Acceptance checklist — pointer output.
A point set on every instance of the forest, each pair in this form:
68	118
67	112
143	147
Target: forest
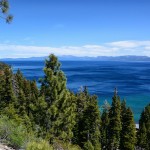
54	118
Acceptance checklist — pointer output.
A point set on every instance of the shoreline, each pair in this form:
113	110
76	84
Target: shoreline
137	126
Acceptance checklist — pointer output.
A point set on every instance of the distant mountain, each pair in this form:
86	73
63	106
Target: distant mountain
124	58
75	58
24	59
107	58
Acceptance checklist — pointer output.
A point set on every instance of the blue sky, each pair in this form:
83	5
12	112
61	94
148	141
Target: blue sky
76	27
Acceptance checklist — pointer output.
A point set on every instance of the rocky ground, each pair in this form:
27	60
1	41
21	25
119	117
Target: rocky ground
4	147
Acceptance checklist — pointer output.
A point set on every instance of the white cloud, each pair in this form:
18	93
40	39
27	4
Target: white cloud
147	48
129	44
117	48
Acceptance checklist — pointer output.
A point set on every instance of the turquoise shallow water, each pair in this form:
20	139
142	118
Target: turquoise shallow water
132	79
136	101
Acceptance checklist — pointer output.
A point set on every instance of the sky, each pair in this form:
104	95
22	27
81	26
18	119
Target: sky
76	27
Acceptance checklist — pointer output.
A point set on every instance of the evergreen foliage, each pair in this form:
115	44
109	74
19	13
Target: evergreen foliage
114	123
128	132
59	118
104	129
4	8
60	112
144	129
87	130
8	90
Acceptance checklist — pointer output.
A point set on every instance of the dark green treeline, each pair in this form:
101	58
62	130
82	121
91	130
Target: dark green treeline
55	113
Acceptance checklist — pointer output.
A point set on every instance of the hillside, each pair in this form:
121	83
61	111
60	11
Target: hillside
3	65
50	116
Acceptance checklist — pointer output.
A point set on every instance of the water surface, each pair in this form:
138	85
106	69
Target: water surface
132	79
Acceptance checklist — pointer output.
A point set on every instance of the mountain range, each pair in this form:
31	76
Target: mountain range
86	58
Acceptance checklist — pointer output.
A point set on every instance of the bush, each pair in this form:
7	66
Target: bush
44	145
12	133
39	145
64	146
88	146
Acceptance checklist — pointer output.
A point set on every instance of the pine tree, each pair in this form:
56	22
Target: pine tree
2	86
27	93
34	89
81	104
18	82
144	129
92	123
19	78
128	132
142	136
123	109
4	8
8	96
22	106
40	116
56	95
87	129
67	117
32	102
104	129
115	123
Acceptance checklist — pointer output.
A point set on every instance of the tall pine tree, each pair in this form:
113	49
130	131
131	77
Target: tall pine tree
128	132
87	129
144	129
115	123
104	129
53	88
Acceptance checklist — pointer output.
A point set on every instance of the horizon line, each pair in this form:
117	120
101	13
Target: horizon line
74	56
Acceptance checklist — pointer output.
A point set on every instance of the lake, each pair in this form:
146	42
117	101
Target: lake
132	79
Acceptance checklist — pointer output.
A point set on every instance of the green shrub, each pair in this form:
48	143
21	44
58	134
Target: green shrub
88	146
12	133
39	145
17	136
65	146
44	145
74	147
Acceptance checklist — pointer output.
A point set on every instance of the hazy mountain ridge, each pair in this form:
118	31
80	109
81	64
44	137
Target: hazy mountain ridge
86	58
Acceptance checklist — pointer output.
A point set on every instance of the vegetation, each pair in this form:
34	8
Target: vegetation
3	65
53	118
13	133
128	132
114	127
144	129
39	145
4	9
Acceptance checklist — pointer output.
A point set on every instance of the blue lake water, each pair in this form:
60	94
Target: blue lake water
132	79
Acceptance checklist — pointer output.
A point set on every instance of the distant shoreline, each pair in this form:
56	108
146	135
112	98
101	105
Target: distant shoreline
129	58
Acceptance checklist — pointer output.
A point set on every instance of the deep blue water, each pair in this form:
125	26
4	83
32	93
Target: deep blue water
132	79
